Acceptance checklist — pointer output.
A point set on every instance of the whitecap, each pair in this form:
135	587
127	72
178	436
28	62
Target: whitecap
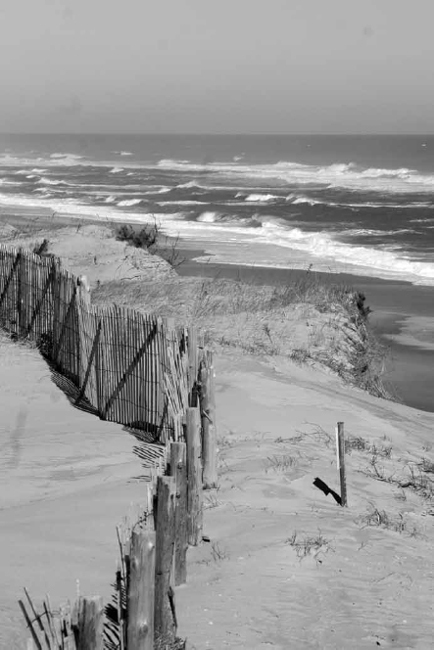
69	156
336	175
159	190
209	217
116	170
189	185
129	202
260	198
305	199
49	181
163	203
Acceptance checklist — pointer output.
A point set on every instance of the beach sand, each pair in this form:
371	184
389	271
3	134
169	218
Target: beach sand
285	567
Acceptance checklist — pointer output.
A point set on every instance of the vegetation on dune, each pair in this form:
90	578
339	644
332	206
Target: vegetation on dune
306	320
149	237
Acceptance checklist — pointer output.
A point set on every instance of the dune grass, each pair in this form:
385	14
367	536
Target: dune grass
305	320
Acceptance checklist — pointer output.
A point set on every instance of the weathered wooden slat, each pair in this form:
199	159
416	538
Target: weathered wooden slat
30	625
88	621
89	364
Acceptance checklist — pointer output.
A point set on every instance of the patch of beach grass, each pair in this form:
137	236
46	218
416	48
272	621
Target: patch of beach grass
309	544
380	518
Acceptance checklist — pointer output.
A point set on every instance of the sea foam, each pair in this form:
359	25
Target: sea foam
338	175
127	203
260	198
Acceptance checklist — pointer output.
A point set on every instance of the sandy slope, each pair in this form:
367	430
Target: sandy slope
366	586
67	479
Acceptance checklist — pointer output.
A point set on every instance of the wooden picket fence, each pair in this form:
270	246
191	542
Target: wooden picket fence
142	614
128	367
157	380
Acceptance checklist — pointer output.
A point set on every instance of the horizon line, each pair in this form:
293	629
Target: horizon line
225	134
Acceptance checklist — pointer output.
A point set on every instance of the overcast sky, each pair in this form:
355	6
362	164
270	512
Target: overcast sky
228	66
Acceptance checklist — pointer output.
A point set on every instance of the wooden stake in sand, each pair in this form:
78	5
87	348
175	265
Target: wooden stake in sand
340	449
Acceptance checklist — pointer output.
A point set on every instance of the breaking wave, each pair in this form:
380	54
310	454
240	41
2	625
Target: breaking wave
259	198
339	175
50	181
127	203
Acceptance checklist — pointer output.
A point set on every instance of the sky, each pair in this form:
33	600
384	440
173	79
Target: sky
227	66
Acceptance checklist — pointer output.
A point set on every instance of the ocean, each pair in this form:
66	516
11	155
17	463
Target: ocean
352	204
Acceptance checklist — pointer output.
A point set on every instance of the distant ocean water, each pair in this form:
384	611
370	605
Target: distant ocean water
354	204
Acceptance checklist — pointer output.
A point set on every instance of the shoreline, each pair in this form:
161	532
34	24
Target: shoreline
402	313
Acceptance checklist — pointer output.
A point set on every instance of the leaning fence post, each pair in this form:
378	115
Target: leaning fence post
194	476
164	613
141	589
87	623
340	448
209	429
178	469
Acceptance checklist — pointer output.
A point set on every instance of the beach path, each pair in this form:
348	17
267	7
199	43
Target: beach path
66	481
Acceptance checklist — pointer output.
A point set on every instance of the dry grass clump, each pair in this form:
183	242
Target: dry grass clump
380	518
413	475
309	544
280	463
361	444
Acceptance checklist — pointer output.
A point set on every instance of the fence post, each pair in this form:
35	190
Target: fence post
192	365
87	623
340	447
194	477
20	292
209	429
164	613
178	469
141	589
